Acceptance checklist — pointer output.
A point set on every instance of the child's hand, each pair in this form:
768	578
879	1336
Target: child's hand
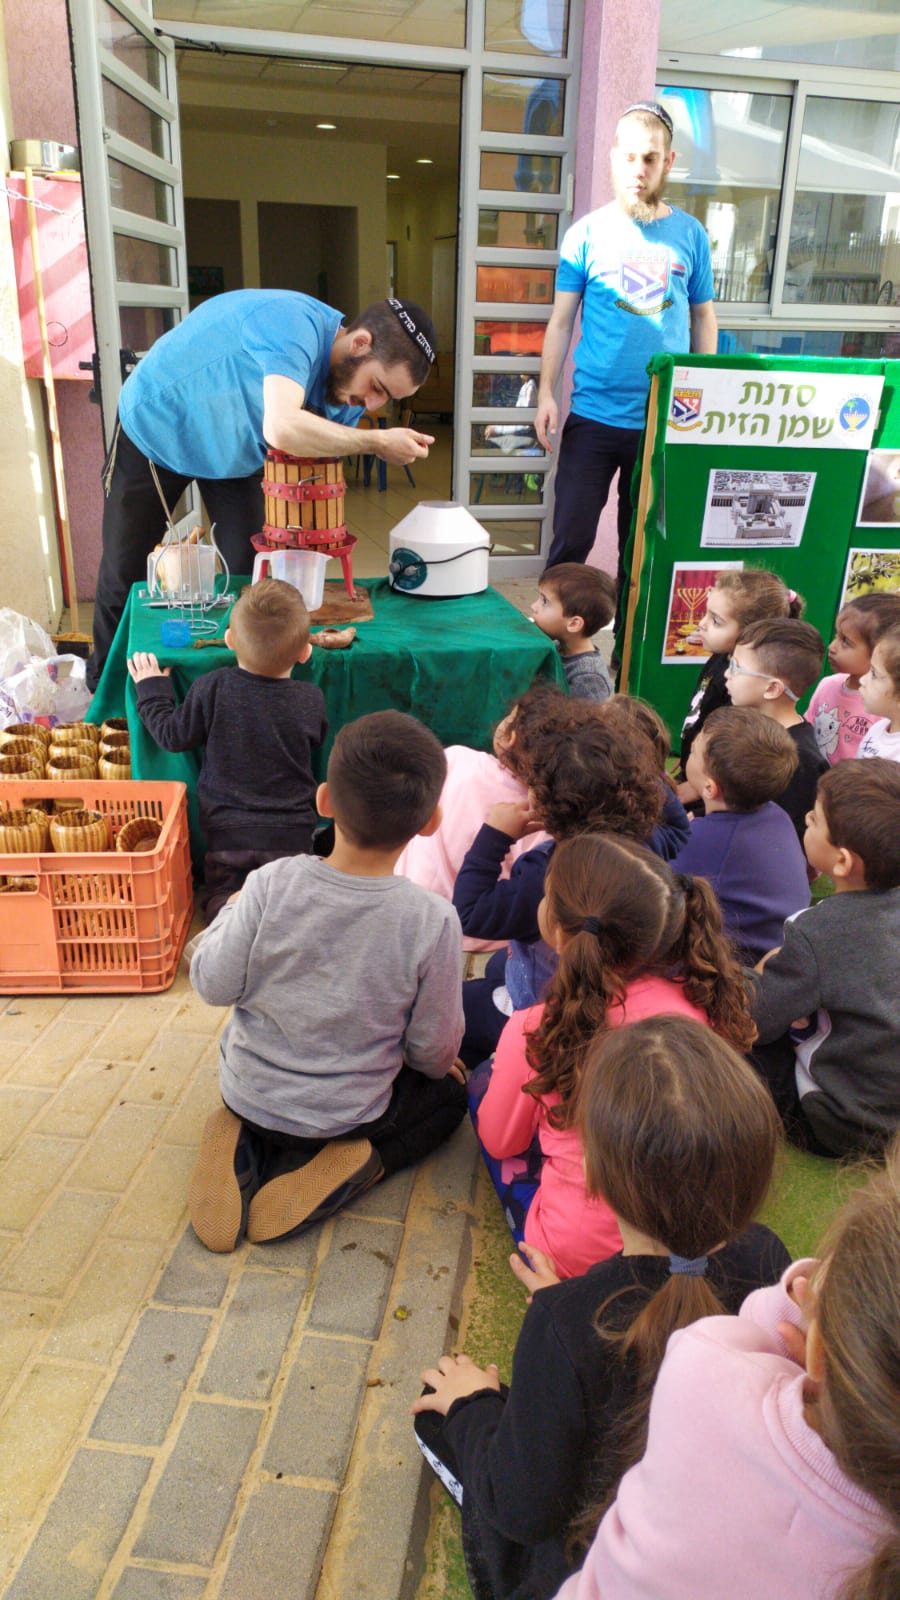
513	817
538	1271
458	1071
794	1337
451	1379
143	664
761	963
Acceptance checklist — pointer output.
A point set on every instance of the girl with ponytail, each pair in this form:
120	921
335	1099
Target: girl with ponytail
680	1139
772	1463
633	940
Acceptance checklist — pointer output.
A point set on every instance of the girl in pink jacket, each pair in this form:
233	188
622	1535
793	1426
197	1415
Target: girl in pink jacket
634	940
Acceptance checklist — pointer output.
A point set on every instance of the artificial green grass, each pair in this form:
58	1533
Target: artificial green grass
804	1197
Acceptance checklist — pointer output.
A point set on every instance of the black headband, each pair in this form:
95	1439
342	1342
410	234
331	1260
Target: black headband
653	109
403	316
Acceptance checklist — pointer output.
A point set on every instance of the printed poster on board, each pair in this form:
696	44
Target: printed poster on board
799	410
757	510
688	594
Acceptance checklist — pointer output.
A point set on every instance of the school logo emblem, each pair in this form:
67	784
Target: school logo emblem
644	283
854	414
685	411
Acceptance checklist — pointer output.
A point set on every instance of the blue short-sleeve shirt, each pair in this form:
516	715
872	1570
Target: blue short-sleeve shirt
637	281
195	402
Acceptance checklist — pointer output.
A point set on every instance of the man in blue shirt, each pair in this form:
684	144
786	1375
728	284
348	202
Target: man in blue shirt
641	273
253	370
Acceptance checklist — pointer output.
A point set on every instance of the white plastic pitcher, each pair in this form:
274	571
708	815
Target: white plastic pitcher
305	569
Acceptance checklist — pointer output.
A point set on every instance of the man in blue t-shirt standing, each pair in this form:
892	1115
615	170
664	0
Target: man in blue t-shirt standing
641	272
248	371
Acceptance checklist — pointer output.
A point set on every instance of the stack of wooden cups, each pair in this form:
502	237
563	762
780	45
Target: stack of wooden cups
71	750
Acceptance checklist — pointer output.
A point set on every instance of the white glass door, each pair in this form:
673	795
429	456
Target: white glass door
130	160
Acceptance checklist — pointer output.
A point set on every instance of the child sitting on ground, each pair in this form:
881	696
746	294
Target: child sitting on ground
476	781
771	1465
880	690
672	830
836	710
602	777
745	844
574	602
774	664
735	600
633	941
682	1150
837	1084
258	727
337	1064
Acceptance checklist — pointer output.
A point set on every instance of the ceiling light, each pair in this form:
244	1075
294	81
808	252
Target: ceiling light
393	177
327	127
424	161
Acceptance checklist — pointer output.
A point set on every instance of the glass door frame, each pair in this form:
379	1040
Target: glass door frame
93	65
471	62
800	82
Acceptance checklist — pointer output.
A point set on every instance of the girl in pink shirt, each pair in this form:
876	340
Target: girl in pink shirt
772	1464
634	940
837	711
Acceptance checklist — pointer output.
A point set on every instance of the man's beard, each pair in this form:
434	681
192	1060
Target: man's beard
340	378
645	209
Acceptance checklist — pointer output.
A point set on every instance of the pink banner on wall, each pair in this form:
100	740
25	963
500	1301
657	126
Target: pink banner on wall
64	274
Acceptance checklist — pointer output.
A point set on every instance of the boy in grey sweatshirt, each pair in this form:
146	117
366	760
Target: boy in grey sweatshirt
827	1003
338	1063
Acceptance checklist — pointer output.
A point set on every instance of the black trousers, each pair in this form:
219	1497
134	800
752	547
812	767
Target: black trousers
590	455
134	521
421	1115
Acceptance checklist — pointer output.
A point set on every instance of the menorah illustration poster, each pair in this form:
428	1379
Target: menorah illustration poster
691	583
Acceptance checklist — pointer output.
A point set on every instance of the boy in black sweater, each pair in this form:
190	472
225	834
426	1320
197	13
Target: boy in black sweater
258	727
773	665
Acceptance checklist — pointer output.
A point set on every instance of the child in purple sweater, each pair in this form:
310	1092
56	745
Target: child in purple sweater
772	1464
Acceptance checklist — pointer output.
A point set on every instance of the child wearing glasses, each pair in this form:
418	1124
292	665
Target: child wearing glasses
745	844
736	599
774	663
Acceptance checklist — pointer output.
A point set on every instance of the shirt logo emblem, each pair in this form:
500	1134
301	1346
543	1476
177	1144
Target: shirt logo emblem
644	283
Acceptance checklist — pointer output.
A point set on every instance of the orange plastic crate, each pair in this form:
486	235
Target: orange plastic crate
105	922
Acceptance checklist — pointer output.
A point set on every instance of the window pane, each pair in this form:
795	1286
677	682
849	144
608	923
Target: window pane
517	285
125	115
727	173
845	35
528	174
432	22
520	230
504	439
131	190
522	105
142	261
141	326
876	345
506	488
514	538
526	26
504	389
502	338
129	46
845	224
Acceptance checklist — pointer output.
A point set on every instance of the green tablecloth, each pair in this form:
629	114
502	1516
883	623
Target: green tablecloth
456	664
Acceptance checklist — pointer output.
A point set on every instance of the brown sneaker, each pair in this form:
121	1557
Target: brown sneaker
295	1201
222	1182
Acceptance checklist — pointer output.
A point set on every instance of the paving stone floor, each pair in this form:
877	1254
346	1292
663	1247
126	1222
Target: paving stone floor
176	1425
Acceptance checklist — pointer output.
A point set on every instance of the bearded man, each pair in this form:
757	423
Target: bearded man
247	371
641	272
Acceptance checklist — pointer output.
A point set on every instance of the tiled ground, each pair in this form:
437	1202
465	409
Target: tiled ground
176	1425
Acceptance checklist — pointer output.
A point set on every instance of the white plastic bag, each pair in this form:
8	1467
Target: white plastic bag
20	641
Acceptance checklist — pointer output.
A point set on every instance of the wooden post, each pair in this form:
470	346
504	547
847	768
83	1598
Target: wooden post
639	546
68	562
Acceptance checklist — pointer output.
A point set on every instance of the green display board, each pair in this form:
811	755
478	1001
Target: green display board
762	461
